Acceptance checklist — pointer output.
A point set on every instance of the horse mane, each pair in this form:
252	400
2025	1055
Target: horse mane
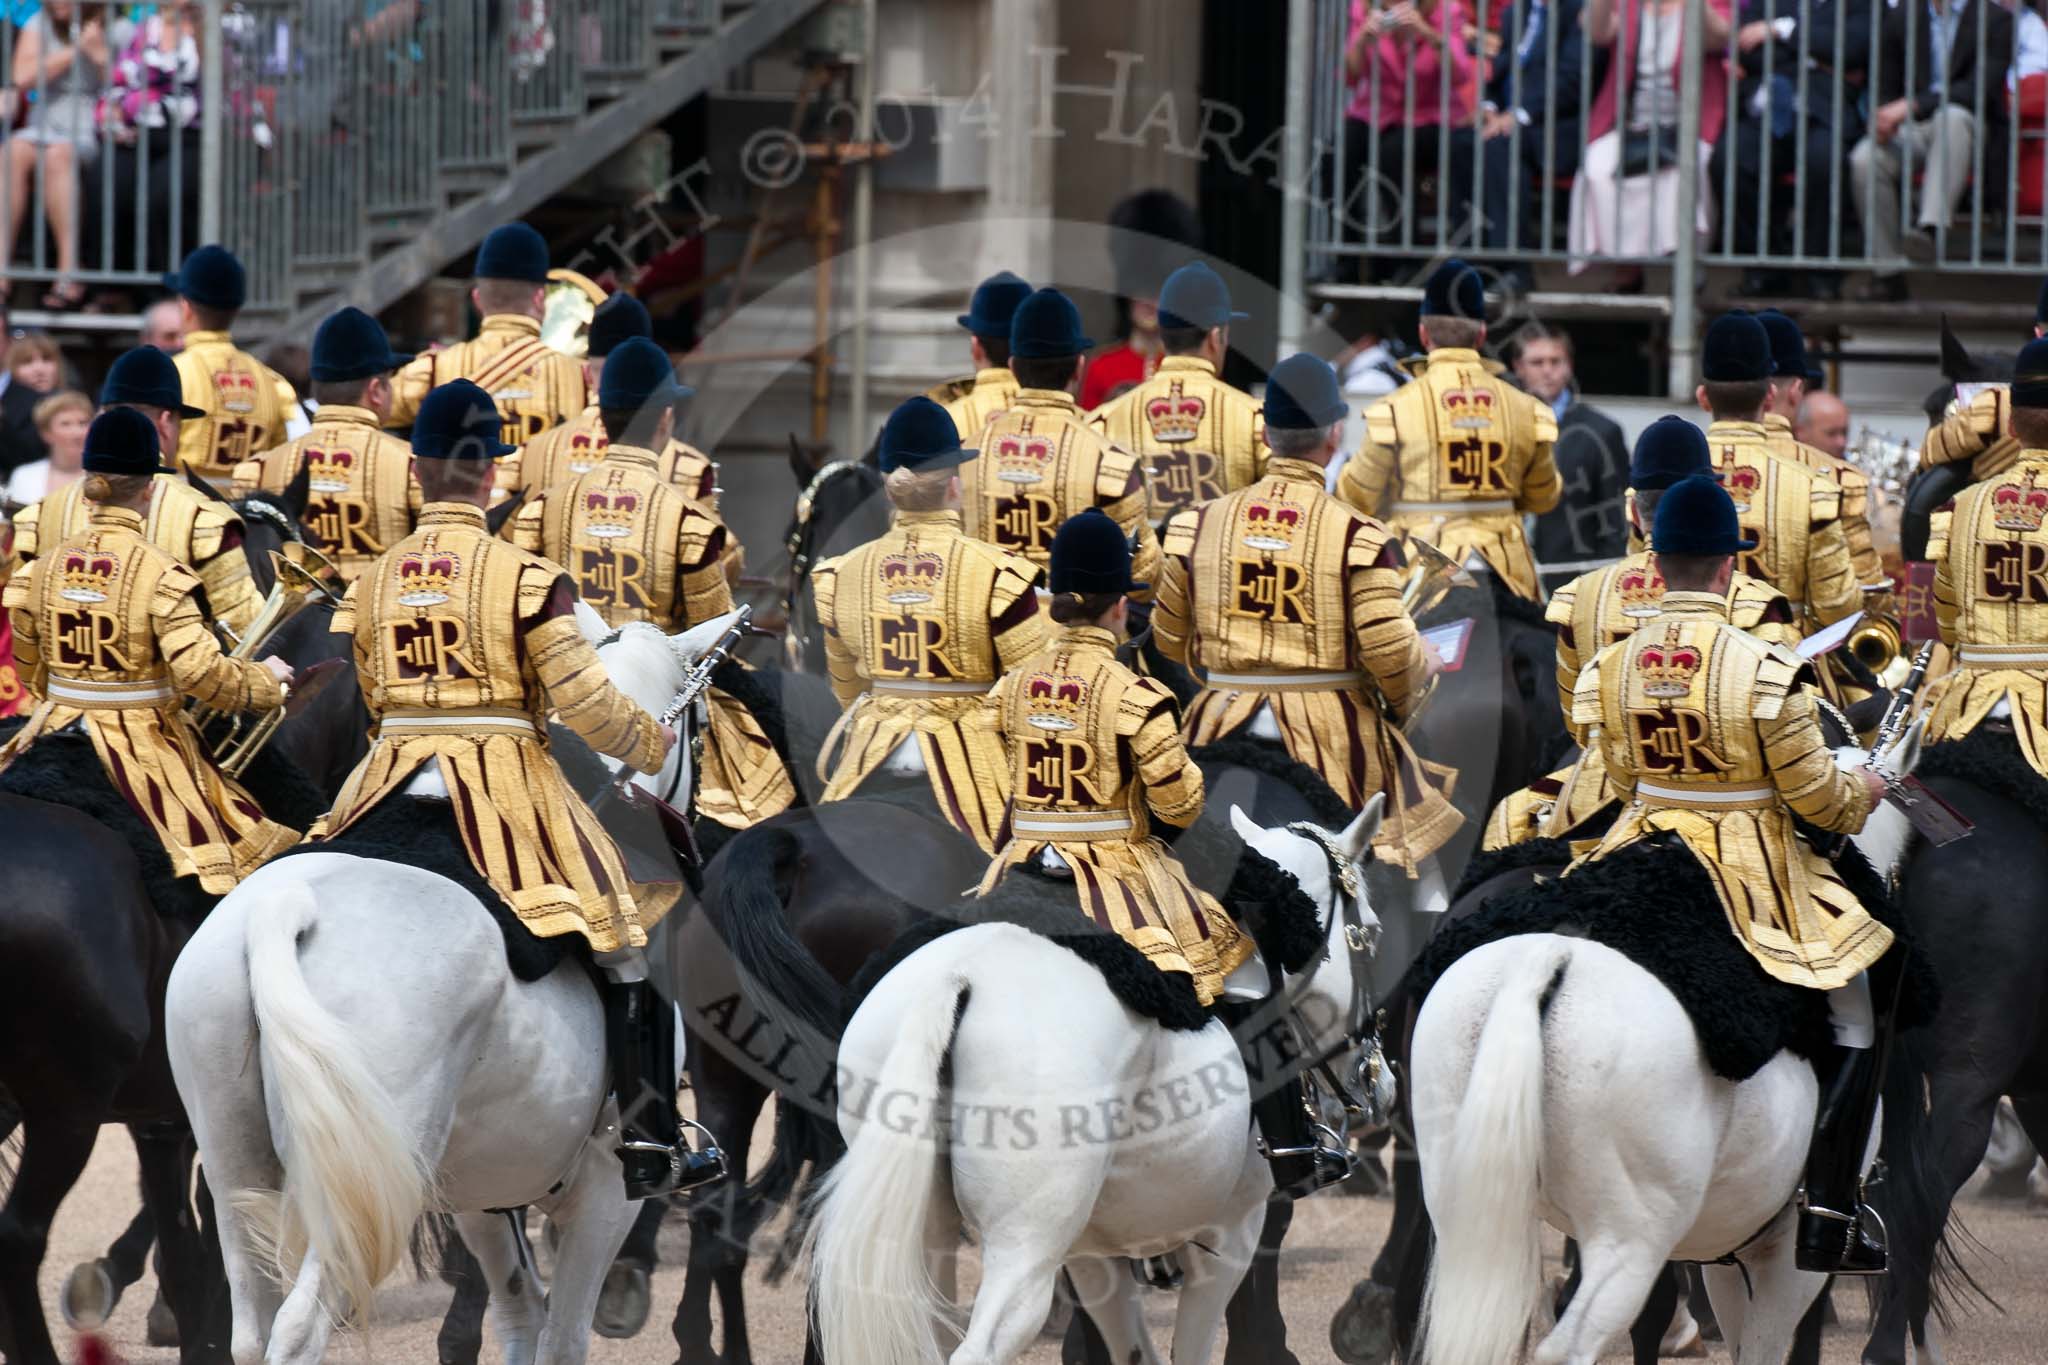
1270	760
1488	597
639	661
1991	761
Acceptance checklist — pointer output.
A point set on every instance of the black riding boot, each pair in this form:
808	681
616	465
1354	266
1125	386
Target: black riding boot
1290	1138
641	1039
1838	1233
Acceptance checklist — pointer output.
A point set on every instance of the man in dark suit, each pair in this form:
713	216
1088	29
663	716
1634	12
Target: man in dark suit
1789	55
1589	525
1532	98
1958	52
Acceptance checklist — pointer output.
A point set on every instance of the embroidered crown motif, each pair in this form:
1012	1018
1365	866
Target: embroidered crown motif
1272	524
237	390
327	471
1023	458
1641	591
86	576
1743	481
1054	700
608	511
586	449
1175	416
425	575
2019	506
909	577
1470	408
1668	665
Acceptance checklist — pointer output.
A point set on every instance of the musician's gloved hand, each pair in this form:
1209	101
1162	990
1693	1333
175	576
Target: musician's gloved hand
1873	784
279	669
669	740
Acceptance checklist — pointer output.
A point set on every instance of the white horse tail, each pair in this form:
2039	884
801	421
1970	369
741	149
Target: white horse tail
1486	1276
355	1181
873	1298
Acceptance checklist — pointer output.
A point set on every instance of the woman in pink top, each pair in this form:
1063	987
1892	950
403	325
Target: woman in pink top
1396	65
1619	207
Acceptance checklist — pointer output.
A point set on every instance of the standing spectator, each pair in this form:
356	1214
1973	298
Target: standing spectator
1589	526
1770	110
60	63
34	369
163	326
1625	201
1957	55
1394	64
61	420
151	117
1823	423
1531	105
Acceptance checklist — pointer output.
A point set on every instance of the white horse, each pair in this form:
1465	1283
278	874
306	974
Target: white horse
1556	1081
354	1052
1073	1134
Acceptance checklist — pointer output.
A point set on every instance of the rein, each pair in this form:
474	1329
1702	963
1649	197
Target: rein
1361	1093
263	510
802	547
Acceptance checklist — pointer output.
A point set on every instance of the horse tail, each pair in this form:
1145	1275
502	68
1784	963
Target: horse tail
1915	1196
873	1299
778	975
355	1182
1485	1279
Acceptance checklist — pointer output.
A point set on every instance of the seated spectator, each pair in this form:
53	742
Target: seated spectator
60	65
61	420
1823	423
1934	122
151	118
1531	110
1625	201
1769	112
1394	65
1589	525
34	370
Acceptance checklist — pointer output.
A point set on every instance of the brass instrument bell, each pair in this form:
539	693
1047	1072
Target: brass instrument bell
571	302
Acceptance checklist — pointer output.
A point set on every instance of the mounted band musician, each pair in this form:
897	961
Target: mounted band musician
1287	603
246	403
361	498
198	531
1714	735
1095	754
918	625
1457	457
1599	608
111	632
464	644
639	549
978	399
1198	436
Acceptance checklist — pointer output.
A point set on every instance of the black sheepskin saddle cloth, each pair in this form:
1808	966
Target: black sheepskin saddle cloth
1654	904
1264	897
1989	759
62	769
422	833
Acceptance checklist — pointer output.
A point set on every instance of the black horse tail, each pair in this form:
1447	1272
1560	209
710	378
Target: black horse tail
1915	1193
807	1144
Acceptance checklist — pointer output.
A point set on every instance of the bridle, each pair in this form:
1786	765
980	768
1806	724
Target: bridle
802	548
271	515
1367	1092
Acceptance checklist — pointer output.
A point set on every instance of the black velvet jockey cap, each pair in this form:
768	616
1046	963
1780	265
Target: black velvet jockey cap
147	376
1090	554
920	435
122	441
2030	375
1455	290
1302	394
1697	517
1047	326
994	305
1788	348
1196	296
1669	449
212	278
513	252
619	318
1736	350
638	376
458	421
351	345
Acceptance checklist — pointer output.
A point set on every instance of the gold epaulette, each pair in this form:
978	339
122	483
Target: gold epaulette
1826	502
1586	701
951	390
173	585
1380	427
25	524
1752	598
209	523
1178	539
1558	611
1118	472
1776	675
1546	420
536	581
246	478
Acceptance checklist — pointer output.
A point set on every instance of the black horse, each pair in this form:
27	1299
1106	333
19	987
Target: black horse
840	505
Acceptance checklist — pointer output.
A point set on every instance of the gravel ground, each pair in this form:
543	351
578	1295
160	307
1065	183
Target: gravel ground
1332	1242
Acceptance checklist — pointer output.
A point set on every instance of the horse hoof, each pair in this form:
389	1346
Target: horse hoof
89	1296
162	1327
623	1303
1362	1332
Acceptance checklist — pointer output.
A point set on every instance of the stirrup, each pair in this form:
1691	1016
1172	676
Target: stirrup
1830	1242
1328	1161
651	1169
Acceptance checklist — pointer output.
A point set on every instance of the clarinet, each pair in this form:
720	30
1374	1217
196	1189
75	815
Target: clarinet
1894	723
699	676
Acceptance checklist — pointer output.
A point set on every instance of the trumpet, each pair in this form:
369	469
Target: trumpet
302	577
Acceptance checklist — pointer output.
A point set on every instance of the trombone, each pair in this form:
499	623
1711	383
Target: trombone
303	575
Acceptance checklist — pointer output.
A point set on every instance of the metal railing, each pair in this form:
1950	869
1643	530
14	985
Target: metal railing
1805	142
305	134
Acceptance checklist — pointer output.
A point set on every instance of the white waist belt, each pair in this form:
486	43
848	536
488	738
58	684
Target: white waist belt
1451	509
1997	656
1332	680
1707	796
506	724
1071	822
112	694
943	689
